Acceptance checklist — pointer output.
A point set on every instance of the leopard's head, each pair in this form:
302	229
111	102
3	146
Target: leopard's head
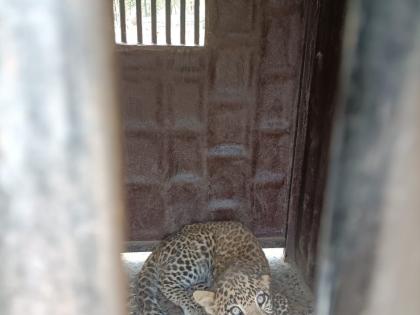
238	293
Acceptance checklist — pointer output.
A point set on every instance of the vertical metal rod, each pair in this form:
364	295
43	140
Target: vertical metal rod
59	160
183	9
197	22
139	22
154	21
168	21
122	22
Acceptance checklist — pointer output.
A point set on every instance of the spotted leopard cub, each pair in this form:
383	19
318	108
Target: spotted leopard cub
212	268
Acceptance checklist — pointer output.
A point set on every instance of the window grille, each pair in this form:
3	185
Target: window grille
159	22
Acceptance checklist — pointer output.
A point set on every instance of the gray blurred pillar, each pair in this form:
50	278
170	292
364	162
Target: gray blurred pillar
60	205
370	257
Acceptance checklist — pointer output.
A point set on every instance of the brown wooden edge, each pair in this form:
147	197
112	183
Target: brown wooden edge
311	18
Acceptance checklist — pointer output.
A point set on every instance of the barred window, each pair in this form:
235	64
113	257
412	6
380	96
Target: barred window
160	22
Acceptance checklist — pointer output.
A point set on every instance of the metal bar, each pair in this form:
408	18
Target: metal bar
123	22
370	262
183	9
154	21
139	22
60	193
168	21
197	22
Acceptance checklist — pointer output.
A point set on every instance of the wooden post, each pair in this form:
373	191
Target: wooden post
370	258
139	19
123	24
196	22
60	187
182	22
154	21
168	14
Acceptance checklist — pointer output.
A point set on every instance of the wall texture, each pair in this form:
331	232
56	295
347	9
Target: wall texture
208	130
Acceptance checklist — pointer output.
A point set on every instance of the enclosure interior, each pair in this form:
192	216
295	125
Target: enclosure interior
237	129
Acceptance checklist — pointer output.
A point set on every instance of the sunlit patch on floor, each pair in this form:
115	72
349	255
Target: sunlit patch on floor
135	257
274	253
140	257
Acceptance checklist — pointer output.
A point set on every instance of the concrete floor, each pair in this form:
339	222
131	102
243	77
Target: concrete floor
286	281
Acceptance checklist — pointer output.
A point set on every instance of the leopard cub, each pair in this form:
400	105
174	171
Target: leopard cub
213	268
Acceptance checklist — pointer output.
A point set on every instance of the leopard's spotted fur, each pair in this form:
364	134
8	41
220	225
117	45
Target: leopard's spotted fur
222	256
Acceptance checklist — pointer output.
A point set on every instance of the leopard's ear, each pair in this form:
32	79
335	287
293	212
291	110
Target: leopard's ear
205	299
266	279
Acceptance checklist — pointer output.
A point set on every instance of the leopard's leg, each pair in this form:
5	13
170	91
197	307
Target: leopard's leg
148	284
182	297
185	268
203	286
178	281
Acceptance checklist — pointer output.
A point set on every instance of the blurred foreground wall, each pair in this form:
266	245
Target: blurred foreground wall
59	175
370	257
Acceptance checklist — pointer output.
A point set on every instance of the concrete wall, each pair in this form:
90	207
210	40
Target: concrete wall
208	130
